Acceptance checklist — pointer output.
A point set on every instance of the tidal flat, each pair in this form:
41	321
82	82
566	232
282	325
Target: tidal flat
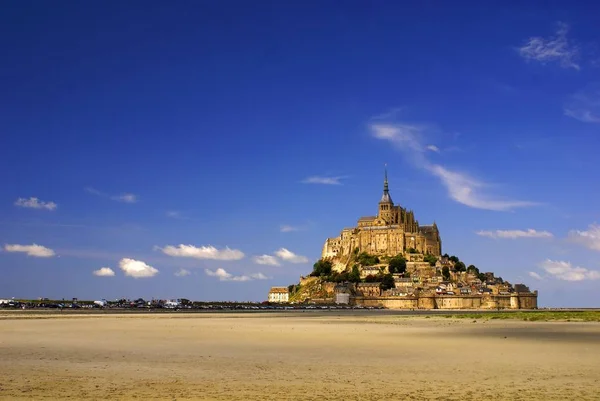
300	356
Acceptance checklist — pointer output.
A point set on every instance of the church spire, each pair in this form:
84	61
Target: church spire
385	181
386	198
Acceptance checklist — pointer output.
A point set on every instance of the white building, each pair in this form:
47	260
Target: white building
279	294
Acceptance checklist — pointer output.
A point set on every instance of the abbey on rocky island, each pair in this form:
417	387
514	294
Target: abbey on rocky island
393	231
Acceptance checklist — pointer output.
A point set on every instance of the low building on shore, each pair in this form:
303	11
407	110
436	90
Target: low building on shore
279	294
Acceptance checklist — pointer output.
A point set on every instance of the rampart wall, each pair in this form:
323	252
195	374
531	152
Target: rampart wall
513	301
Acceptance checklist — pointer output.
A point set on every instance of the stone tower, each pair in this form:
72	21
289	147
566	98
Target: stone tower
386	205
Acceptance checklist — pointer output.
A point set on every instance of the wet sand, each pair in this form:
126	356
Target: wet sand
295	356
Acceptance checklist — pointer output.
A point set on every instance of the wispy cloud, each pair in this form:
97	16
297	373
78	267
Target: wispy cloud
316	179
433	148
566	271
404	136
124	197
461	187
175	214
589	238
535	275
585	104
223	275
282	255
266	260
391	113
202	252
555	48
94	191
137	268
127	198
514	234
35	203
288	229
104	272
182	273
289	256
34	250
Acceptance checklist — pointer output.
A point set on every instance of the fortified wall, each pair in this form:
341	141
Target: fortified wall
513	301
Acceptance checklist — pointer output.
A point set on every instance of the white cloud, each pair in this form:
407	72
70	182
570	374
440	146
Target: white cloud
514	234
289	256
467	190
203	252
589	238
174	214
94	191
433	148
555	48
323	180
104	272
136	268
405	136
566	271
35	250
288	229
125	198
535	276
35	203
223	275
461	187
266	260
182	273
585	104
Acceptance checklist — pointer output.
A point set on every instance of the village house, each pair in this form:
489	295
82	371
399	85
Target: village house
369	289
279	294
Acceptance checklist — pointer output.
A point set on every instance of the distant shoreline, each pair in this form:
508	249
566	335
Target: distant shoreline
571	314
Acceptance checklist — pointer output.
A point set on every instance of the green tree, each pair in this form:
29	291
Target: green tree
322	268
397	264
482	277
367	260
387	282
473	270
454	259
333	277
354	275
342	277
412	250
430	259
460	266
371	279
446	273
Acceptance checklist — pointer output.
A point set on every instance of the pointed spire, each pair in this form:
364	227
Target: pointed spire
386	191
385	176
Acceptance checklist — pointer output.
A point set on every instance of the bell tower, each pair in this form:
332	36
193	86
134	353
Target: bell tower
386	204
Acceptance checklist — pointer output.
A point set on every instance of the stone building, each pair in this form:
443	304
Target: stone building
369	289
279	294
393	231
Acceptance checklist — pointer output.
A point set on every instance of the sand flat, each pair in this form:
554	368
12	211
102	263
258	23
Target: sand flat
296	356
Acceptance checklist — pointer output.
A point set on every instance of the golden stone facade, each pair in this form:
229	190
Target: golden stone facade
393	231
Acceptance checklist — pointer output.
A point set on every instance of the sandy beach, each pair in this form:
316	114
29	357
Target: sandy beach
300	356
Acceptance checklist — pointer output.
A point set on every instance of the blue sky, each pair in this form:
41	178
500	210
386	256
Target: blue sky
207	149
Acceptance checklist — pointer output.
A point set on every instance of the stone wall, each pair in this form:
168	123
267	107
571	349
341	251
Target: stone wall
514	301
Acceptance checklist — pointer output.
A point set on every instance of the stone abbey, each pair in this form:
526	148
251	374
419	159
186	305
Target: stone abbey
392	261
393	231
